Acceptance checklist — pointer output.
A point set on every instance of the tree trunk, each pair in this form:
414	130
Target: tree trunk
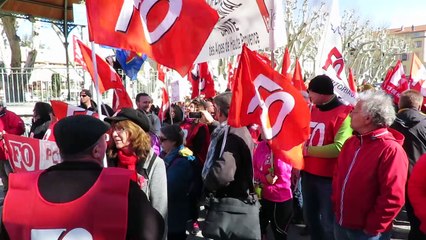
18	79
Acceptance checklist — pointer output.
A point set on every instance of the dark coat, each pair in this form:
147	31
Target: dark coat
412	124
232	174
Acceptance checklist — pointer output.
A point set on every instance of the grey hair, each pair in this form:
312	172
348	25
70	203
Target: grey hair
378	105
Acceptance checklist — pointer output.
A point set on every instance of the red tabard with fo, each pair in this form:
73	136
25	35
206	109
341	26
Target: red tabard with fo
324	127
101	213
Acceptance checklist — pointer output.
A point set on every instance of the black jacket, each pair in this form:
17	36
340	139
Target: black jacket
412	124
232	174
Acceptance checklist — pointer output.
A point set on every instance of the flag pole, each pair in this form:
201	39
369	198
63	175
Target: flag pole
271	32
98	99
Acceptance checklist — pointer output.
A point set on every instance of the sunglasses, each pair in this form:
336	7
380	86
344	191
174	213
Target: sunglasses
83	95
162	139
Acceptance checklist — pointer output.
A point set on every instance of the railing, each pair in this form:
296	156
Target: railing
23	86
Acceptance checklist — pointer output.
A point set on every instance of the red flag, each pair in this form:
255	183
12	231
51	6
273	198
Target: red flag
161	72
262	96
171	32
77	53
286	62
193	79
121	99
165	104
397	83
351	81
63	109
417	74
202	81
206	81
298	82
231	73
108	78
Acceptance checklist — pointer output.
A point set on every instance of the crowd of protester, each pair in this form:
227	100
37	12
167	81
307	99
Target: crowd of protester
363	164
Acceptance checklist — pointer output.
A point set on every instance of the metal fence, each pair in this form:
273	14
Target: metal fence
23	86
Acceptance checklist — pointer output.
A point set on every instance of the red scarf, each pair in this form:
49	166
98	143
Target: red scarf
128	161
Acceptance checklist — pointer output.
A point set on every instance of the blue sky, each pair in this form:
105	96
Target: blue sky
389	13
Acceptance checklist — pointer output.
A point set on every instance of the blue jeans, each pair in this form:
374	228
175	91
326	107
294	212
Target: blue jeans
341	233
317	207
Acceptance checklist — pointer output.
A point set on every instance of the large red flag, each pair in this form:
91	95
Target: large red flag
171	32
298	82
262	96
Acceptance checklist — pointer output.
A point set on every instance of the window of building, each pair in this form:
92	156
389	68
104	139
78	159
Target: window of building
418	44
404	57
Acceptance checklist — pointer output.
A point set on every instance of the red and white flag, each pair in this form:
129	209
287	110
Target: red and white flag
330	60
396	83
165	104
31	154
262	96
170	32
418	75
63	109
202	81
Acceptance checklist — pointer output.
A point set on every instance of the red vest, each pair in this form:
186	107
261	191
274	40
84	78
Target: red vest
101	213
324	127
191	131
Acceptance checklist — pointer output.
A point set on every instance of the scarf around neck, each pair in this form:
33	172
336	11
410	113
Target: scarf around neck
127	160
216	135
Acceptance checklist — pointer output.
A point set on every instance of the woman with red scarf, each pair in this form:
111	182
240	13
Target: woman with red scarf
130	147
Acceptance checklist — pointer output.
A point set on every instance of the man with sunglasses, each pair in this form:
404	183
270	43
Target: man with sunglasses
87	103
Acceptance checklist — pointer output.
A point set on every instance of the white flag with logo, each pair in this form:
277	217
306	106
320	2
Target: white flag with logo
330	59
242	21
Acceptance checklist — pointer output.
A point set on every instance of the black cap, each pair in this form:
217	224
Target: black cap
76	133
321	84
136	116
87	92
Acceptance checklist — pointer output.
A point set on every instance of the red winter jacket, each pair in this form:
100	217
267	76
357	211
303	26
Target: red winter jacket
11	124
369	181
417	191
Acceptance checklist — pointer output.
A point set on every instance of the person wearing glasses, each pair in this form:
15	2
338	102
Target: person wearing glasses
78	198
180	177
87	103
130	147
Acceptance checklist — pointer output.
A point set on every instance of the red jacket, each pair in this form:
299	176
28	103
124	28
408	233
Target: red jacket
11	124
369	181
417	191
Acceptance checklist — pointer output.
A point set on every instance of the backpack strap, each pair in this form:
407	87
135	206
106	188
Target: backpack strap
151	163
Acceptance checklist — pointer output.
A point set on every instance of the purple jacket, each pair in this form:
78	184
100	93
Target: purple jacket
262	162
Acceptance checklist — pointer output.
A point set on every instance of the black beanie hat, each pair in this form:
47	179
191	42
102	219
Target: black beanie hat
321	84
138	117
77	133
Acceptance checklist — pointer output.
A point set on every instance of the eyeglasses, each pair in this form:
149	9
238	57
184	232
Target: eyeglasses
83	95
162	139
118	130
